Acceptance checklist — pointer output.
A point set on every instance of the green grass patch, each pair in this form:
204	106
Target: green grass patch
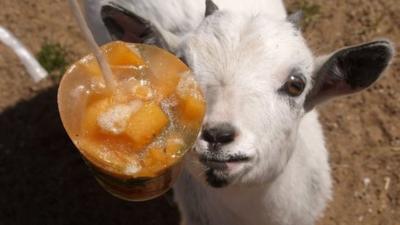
53	58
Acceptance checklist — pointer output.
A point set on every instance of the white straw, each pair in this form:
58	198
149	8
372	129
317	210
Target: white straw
107	74
35	70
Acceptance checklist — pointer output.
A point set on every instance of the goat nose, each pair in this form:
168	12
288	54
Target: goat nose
222	133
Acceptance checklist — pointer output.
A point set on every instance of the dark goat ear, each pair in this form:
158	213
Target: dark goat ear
126	26
296	18
211	7
348	71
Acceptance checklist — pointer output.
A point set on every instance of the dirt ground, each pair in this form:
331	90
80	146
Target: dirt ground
44	181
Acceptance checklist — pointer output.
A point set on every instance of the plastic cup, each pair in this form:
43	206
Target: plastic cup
79	83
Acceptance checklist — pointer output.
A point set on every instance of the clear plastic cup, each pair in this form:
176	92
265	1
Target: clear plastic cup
174	88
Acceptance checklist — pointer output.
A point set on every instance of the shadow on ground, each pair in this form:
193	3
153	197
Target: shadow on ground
43	180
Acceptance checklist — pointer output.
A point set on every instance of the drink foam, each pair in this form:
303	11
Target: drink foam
115	119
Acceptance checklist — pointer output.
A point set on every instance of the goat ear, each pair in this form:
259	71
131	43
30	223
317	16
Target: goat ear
211	7
348	71
296	18
126	26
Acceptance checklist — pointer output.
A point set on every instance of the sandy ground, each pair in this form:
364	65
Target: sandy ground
44	181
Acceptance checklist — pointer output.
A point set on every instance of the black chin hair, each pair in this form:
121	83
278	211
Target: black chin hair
216	180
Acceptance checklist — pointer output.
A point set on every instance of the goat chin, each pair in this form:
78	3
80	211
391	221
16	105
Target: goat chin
298	195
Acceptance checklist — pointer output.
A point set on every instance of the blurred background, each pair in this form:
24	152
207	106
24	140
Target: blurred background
43	180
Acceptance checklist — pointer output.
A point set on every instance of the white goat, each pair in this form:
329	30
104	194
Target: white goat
261	158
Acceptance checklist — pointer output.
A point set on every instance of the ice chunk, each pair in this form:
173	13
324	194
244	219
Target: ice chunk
133	168
187	86
115	119
143	90
173	145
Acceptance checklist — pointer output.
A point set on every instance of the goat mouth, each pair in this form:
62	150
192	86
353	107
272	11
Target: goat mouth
219	163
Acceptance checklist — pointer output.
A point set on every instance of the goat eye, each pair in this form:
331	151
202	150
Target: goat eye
295	85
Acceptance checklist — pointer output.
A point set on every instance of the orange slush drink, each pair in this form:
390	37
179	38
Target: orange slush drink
134	136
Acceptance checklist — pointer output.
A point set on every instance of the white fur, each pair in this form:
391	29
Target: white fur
297	196
241	56
240	61
273	8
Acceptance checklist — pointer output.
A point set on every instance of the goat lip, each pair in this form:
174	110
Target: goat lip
222	164
230	159
215	165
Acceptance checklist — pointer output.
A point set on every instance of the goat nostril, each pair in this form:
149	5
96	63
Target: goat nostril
208	135
222	134
226	137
